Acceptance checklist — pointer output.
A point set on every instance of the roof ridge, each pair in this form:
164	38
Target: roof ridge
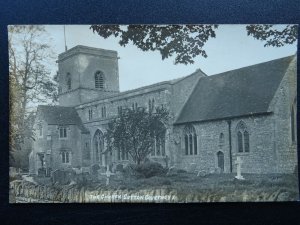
224	72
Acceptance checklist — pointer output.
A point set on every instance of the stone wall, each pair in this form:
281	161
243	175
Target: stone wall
171	95
262	157
285	98
24	192
53	147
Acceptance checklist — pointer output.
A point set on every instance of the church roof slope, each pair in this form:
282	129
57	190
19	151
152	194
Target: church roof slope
61	115
239	92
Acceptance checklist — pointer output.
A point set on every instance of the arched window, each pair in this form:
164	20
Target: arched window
243	137
186	142
99	80
40	129
246	141
159	146
98	142
86	154
240	141
122	152
195	144
190	140
69	81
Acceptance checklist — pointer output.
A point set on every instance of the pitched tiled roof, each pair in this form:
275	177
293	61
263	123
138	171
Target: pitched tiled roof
61	115
244	91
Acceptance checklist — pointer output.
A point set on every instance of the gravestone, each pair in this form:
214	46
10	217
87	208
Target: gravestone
192	167
167	159
42	172
107	174
58	176
202	173
170	170
119	168
62	176
94	169
238	163
86	170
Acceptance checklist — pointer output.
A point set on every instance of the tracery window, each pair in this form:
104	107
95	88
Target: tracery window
243	138
190	140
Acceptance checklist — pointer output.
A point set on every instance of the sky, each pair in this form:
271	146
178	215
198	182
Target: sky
231	49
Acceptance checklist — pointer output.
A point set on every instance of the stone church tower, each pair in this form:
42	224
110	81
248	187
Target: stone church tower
86	74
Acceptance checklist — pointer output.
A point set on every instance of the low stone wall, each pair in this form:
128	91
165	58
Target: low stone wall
26	192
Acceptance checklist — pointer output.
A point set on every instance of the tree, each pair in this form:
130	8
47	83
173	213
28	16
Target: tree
188	41
29	76
135	130
184	41
272	36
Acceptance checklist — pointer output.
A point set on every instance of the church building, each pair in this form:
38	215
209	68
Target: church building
248	112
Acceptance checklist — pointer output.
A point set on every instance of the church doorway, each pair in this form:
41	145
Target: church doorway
220	156
98	146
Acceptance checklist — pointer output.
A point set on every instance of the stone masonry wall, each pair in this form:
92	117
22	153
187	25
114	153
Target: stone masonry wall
285	98
52	147
82	63
260	159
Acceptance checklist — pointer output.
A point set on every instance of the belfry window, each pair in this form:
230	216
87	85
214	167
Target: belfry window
190	141
99	80
243	138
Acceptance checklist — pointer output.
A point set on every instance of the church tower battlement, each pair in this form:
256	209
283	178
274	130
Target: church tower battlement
86	74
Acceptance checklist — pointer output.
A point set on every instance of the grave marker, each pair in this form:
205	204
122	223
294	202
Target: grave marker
238	163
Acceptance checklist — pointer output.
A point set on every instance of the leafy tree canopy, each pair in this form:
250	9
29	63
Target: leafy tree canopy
273	36
186	42
135	130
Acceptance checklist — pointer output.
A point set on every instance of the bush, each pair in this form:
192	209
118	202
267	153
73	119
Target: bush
150	169
145	170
